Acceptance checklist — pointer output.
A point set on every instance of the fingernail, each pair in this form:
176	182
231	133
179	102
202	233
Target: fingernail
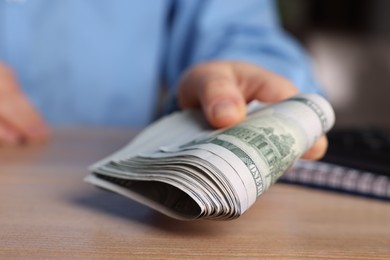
225	109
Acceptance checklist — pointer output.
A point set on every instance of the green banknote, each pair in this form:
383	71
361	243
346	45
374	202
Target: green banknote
186	170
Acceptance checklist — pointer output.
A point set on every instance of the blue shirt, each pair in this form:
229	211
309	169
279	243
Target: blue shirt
101	62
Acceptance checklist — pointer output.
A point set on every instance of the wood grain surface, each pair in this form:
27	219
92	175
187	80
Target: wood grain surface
48	212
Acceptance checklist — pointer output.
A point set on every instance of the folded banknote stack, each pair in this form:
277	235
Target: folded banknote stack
183	168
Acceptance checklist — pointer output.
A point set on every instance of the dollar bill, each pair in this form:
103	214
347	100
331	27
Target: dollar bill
181	167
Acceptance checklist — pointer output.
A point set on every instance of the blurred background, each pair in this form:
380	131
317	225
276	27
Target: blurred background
349	41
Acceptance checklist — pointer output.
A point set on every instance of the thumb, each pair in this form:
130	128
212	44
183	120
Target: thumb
216	91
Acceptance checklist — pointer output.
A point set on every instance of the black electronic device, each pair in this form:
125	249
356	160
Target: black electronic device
366	149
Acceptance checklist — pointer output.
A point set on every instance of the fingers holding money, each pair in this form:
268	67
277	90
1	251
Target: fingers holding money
222	90
19	121
213	87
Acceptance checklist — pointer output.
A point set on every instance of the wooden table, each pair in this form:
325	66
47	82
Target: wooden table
48	212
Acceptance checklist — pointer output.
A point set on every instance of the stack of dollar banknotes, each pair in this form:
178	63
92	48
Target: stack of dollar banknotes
183	168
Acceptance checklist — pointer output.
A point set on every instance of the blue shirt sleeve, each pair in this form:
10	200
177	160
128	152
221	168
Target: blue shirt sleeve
101	62
246	30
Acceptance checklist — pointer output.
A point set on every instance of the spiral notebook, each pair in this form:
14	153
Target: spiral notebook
333	177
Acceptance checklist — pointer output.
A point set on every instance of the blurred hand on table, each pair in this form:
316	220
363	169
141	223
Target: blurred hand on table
20	123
